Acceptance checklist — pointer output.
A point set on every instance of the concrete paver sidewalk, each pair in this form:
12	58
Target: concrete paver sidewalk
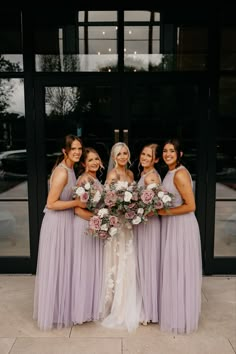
19	333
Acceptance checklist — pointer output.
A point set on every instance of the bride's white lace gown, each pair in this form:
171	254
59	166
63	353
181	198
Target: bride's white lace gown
121	299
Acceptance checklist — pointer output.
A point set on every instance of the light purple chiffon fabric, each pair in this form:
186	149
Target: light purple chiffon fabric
87	274
181	268
52	297
148	246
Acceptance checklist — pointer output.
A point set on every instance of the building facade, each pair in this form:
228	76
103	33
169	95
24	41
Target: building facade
110	74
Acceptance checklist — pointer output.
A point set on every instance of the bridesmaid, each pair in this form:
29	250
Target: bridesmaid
181	251
88	253
52	297
147	242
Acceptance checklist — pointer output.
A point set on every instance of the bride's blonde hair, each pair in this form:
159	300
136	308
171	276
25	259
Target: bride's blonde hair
116	148
114	152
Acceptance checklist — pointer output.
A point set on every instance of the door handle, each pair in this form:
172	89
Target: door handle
126	136
116	135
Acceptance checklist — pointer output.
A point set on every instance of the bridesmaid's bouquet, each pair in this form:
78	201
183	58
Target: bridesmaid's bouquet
103	224
121	199
153	197
90	193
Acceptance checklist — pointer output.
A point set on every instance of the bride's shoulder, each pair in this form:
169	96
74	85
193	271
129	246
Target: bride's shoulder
111	176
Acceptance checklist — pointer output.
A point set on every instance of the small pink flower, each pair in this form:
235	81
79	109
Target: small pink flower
84	197
130	215
103	235
159	204
131	205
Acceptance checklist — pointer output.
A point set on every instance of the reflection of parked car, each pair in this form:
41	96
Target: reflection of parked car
13	163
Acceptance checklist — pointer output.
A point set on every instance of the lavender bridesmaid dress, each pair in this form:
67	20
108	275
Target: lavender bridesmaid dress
148	246
52	298
87	273
181	265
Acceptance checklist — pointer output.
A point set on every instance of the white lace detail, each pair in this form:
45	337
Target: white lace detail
121	301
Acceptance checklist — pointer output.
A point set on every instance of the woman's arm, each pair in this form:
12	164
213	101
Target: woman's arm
182	182
58	182
83	213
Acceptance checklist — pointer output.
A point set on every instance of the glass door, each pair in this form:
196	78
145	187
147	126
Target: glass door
135	111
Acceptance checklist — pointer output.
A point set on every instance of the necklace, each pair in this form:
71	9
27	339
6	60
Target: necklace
152	170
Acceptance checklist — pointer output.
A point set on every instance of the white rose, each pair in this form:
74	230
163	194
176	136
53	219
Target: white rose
104	227
127	196
140	211
136	220
166	199
87	186
121	185
80	191
160	194
151	186
97	197
102	212
113	231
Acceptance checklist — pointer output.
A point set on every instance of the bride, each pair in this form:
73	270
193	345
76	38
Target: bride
121	300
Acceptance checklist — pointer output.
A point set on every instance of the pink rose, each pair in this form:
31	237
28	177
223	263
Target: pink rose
113	220
147	196
95	223
110	198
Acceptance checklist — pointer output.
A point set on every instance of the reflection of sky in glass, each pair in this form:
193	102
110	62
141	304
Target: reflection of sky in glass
98	16
140	16
17	100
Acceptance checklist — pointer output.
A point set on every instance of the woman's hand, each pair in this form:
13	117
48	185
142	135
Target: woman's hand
83	213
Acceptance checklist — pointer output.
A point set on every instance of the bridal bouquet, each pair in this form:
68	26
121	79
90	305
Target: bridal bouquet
103	224
121	199
89	192
153	197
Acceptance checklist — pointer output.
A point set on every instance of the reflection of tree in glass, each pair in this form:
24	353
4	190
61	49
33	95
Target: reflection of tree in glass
65	62
167	63
62	100
6	85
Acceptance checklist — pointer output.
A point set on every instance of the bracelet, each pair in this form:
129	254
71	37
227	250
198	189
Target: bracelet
168	212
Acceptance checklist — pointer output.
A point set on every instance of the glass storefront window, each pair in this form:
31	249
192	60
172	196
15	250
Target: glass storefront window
225	216
88	45
14	219
192	48
11	58
91	44
228	49
141	15
97	16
